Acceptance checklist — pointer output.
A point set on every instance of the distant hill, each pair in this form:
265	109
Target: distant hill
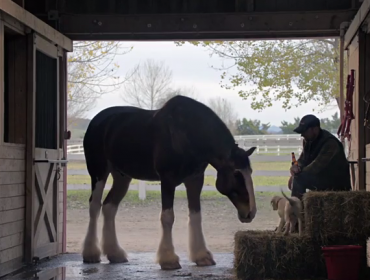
274	130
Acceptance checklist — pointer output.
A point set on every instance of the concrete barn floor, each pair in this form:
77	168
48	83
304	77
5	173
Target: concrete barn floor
140	266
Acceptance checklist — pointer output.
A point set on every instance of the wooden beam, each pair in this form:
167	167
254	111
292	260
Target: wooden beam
19	2
356	23
35	24
63	70
361	76
204	26
30	149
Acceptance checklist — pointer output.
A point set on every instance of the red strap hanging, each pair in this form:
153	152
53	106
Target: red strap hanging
345	127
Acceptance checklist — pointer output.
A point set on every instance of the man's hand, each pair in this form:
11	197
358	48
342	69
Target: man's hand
294	170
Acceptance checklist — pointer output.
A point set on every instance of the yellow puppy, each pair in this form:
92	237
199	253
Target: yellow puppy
292	214
278	204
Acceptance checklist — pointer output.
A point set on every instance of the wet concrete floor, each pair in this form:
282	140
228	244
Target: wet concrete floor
140	266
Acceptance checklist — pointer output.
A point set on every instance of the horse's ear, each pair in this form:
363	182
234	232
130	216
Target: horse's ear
250	151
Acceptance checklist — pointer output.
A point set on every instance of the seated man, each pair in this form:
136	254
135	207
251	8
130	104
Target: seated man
322	165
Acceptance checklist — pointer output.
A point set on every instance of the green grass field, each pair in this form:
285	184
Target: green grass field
268	166
80	198
208	180
85	179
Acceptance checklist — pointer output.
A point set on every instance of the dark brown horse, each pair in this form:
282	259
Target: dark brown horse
172	145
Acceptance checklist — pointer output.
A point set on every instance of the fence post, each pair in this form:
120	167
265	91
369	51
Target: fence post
265	149
278	150
142	190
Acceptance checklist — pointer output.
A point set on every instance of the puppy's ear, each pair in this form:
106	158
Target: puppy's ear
273	204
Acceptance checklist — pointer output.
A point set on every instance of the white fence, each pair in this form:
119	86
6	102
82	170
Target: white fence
265	143
276	150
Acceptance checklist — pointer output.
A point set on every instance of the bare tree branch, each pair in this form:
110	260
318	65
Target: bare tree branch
150	85
91	74
224	109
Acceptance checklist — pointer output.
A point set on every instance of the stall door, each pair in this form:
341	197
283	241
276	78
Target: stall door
46	152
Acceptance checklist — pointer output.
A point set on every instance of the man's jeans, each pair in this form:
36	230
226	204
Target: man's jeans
303	181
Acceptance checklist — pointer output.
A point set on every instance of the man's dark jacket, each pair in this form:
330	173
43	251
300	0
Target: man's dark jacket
325	159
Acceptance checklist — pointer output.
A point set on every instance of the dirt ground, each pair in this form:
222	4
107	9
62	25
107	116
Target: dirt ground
138	225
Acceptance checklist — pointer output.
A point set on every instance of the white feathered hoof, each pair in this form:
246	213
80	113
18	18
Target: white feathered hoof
170	265
204	259
168	261
119	256
115	254
91	254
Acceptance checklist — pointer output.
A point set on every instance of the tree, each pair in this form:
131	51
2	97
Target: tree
288	127
150	83
224	109
150	86
332	124
251	127
280	70
92	73
185	91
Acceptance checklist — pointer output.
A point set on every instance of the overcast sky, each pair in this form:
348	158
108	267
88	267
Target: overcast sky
191	67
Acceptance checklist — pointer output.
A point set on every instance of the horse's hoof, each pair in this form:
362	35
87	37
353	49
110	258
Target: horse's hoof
170	266
205	262
118	256
92	259
91	255
116	259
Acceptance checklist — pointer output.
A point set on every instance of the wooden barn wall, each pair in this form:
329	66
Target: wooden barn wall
12	206
359	60
185	6
12	152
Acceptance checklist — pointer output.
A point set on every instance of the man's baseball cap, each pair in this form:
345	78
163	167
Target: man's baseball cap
307	122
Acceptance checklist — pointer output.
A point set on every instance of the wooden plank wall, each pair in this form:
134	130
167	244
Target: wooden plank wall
12	157
12	207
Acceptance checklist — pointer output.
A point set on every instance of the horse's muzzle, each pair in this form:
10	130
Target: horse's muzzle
246	219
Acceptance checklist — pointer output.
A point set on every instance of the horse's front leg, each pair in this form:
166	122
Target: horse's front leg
166	256
198	251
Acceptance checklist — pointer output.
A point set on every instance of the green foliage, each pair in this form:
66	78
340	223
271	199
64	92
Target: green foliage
288	127
291	71
251	127
330	124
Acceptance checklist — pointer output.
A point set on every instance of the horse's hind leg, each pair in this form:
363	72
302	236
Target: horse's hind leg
166	256
110	244
198	251
91	251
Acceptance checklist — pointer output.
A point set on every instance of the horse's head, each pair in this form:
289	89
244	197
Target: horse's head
234	180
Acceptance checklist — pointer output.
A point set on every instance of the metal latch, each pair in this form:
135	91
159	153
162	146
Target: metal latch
57	161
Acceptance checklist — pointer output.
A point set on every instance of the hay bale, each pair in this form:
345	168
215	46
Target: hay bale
333	215
267	255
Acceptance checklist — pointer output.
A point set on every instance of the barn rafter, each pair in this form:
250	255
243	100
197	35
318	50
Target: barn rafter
194	20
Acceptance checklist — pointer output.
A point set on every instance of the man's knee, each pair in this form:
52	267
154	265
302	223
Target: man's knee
298	186
290	182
